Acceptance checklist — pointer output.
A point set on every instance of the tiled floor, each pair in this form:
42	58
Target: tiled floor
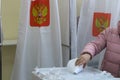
8	53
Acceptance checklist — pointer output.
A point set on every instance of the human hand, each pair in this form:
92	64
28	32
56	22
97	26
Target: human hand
83	59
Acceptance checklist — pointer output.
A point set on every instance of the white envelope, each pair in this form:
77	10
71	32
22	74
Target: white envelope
73	68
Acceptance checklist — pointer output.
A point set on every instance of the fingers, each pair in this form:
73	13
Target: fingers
80	61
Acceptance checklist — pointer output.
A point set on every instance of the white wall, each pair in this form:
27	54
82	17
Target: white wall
0	7
10	18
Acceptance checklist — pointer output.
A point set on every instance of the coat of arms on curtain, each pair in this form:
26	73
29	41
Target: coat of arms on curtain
101	21
40	13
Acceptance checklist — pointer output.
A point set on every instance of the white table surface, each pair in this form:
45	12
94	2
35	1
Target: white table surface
63	74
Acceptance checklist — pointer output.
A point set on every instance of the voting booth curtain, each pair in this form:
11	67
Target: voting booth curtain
39	41
95	16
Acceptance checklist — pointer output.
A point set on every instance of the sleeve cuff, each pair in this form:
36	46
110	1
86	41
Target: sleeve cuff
91	56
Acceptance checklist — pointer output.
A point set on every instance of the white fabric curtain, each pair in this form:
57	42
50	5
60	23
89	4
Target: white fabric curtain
37	46
73	28
86	18
64	25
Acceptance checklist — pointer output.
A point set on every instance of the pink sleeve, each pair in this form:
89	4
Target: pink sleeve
98	44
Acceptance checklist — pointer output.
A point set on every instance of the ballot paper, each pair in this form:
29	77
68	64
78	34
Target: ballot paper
73	68
63	74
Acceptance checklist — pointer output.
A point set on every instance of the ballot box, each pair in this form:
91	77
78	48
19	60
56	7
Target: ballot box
88	73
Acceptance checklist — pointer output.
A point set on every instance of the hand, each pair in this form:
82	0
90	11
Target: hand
83	59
